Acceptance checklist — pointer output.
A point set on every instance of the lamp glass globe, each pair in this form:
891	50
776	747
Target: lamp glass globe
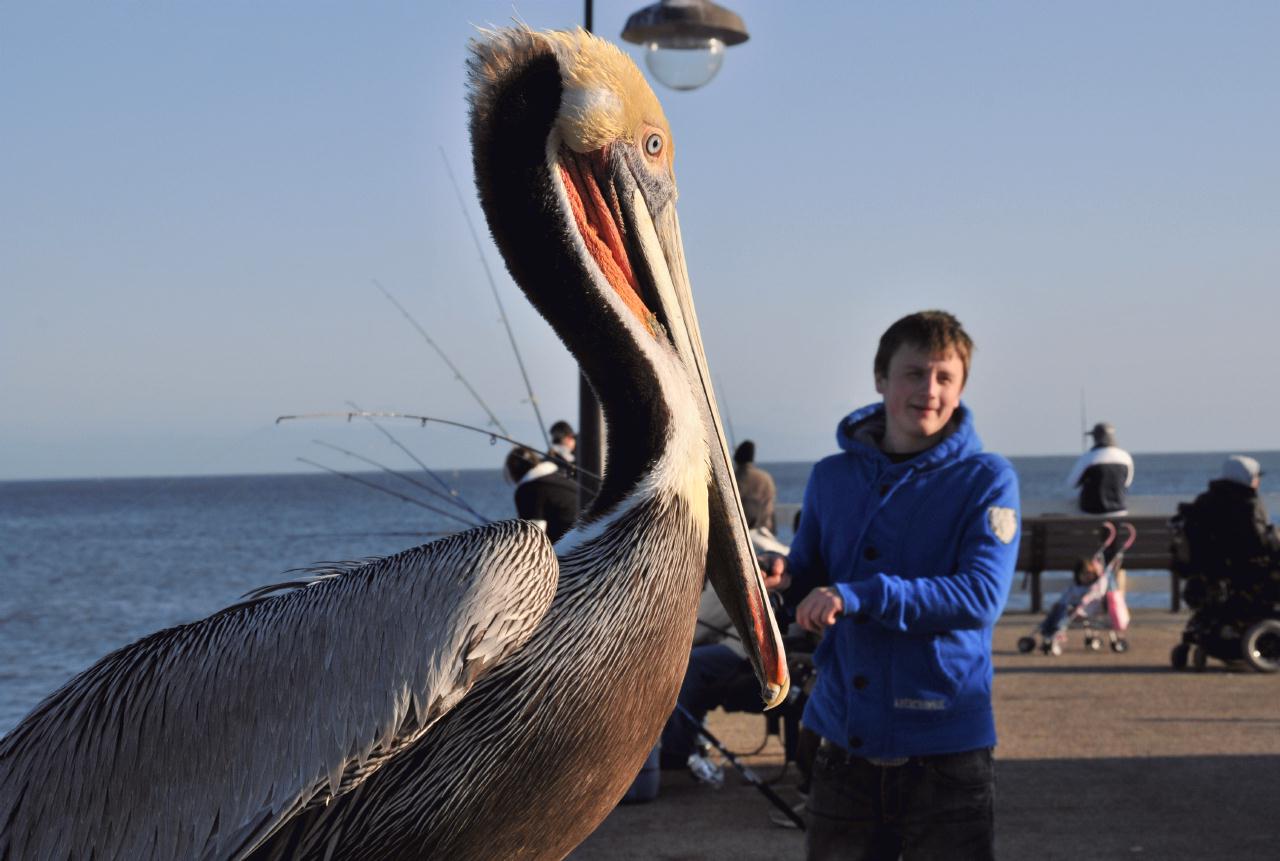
684	63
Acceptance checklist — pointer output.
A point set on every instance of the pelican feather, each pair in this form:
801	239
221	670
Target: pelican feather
198	741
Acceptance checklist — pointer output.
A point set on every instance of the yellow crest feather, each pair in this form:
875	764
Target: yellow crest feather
606	97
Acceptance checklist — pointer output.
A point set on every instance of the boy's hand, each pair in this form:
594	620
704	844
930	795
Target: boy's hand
820	609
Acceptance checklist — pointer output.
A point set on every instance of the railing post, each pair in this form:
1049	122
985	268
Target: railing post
1037	566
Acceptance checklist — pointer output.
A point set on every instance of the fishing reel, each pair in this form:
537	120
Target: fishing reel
804	674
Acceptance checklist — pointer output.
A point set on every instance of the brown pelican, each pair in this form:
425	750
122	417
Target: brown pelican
481	696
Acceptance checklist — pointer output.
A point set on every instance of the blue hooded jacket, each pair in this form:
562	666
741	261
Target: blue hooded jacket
923	553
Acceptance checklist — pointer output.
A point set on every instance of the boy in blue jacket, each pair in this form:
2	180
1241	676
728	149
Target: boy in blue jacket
904	558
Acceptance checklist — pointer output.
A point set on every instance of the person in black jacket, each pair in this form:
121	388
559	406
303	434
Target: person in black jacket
563	441
1102	474
1228	524
544	494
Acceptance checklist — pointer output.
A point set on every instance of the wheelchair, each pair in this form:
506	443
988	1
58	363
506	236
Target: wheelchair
1235	605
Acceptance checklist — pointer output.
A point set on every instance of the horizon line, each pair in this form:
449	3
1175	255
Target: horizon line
498	469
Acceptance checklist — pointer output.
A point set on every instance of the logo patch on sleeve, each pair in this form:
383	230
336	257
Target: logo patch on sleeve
1004	522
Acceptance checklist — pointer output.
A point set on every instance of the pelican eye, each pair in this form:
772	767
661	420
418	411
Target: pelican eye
653	143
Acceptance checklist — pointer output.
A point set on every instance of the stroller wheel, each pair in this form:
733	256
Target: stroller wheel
1119	645
1199	658
1261	646
1026	645
1178	657
1094	644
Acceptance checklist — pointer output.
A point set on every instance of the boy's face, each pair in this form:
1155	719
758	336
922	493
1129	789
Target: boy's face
921	392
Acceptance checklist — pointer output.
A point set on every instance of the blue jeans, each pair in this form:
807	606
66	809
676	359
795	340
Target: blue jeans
716	677
1057	619
931	807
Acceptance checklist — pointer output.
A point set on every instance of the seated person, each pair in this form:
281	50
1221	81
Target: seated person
719	673
544	494
756	487
1229	531
1103	474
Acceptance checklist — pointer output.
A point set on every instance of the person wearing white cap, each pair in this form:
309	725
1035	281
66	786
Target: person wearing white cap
1232	519
1103	474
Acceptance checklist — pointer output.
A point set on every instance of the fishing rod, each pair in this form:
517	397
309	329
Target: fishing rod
457	374
727	633
502	313
728	417
402	477
452	494
422	421
743	769
404	498
1084	423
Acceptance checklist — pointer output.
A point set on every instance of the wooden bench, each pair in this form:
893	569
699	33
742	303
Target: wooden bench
1055	542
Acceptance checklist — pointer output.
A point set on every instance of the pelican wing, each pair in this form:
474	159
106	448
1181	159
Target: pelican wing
201	740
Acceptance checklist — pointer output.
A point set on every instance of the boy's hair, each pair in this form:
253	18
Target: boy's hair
935	331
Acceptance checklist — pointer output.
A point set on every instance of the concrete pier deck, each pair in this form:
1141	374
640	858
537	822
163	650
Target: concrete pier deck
1101	755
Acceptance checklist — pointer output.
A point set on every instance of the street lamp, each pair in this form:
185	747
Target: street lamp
684	39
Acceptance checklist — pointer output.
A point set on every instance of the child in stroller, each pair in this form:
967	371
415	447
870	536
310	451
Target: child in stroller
1094	601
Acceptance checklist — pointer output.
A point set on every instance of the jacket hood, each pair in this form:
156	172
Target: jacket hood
539	470
861	432
1228	487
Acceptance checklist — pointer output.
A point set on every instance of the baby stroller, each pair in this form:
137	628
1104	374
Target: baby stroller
1095	602
1235	603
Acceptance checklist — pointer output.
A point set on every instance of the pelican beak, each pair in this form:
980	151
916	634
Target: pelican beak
658	254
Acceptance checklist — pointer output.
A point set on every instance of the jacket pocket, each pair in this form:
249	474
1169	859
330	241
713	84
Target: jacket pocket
919	680
958	655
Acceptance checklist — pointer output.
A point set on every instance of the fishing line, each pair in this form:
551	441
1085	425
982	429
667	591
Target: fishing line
1084	423
728	416
457	374
727	633
400	476
423	420
533	399
358	480
452	494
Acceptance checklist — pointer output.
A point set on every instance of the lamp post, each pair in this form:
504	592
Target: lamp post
684	48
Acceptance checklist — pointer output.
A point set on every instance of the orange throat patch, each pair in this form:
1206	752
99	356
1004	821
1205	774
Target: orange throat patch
600	231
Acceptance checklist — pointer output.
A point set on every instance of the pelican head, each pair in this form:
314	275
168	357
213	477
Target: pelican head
574	163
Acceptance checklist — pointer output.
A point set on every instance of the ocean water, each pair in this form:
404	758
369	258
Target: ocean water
88	566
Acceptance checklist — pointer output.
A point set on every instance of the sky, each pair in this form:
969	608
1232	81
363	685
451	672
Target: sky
195	201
